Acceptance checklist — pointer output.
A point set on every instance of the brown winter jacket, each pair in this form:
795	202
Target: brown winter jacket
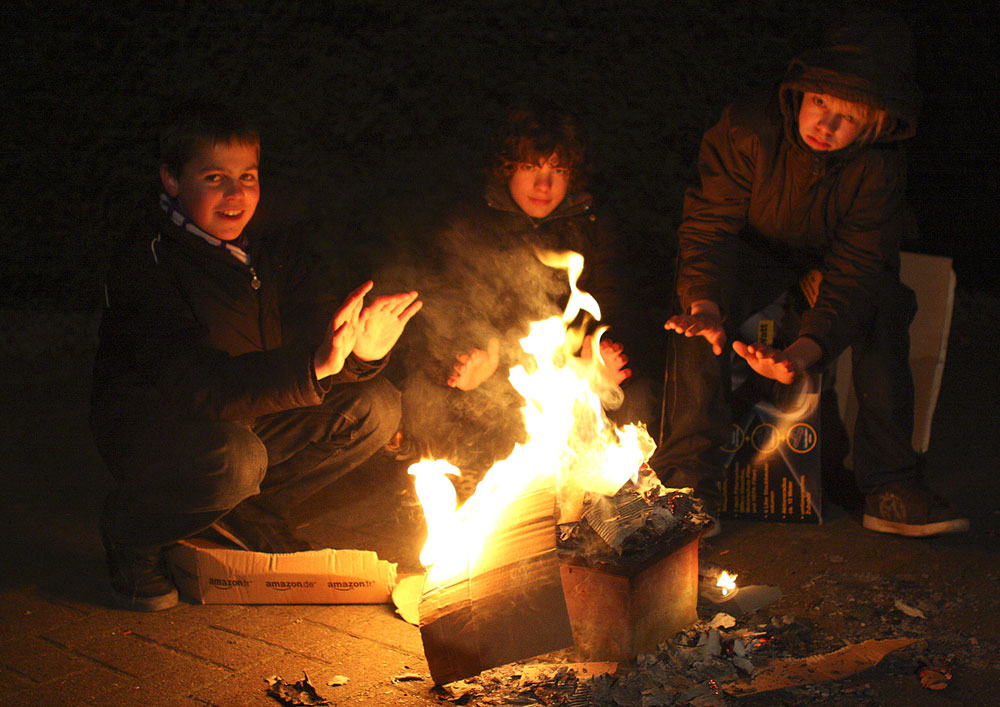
184	324
842	212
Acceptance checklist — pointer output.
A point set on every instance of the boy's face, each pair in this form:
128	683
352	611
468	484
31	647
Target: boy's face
828	123
539	189
218	187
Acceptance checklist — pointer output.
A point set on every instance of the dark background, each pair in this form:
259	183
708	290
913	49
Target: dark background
374	115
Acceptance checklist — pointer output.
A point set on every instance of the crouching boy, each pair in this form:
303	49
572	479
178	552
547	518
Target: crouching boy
227	387
802	191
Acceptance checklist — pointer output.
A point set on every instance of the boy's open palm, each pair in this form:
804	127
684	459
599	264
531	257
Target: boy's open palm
341	334
472	368
382	322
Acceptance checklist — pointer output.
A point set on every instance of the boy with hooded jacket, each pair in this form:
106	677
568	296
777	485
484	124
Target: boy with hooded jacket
803	191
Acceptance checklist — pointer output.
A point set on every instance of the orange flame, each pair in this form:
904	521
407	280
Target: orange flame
726	582
570	444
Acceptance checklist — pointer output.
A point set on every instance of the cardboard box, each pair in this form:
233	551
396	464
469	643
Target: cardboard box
212	574
774	458
774	467
932	278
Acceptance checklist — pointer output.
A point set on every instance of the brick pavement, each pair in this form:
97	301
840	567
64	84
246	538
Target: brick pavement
61	643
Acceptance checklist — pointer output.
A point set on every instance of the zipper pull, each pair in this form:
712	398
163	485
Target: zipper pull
254	283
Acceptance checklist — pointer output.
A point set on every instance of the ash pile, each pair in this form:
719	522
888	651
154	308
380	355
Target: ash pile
641	523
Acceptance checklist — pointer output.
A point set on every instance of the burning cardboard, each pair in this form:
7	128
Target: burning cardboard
508	606
498	590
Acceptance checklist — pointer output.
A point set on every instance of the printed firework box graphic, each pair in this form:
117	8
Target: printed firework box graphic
773	454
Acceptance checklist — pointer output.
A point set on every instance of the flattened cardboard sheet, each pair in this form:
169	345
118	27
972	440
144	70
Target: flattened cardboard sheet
212	574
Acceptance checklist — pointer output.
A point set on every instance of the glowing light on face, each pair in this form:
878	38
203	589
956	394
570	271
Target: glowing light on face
539	188
828	123
218	188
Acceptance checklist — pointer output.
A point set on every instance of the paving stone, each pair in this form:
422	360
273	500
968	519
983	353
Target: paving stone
11	683
226	649
85	687
253	620
391	696
40	660
158	626
130	654
249	687
23	612
379	622
172	686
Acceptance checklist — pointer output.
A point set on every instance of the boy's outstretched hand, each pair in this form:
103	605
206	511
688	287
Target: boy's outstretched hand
613	359
704	320
341	334
382	322
783	366
474	367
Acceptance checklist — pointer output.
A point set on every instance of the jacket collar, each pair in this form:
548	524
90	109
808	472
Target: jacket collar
498	197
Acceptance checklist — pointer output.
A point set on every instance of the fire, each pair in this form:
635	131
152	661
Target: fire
726	582
570	445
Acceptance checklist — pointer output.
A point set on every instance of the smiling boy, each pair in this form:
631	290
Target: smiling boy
806	185
229	386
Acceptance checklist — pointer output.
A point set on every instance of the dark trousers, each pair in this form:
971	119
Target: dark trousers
697	405
175	476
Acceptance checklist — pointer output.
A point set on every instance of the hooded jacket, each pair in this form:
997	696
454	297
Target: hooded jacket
188	326
841	212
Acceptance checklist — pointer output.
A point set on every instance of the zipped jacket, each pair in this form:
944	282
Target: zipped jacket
210	336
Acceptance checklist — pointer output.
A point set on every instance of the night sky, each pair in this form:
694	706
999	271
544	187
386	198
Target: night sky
374	114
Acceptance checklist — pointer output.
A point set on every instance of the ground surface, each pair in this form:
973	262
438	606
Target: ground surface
62	644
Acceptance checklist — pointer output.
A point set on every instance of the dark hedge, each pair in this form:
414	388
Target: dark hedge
374	113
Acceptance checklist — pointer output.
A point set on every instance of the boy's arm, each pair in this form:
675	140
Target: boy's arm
865	244
715	211
155	331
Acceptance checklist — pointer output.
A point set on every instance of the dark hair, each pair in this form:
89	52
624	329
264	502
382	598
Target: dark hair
534	131
200	122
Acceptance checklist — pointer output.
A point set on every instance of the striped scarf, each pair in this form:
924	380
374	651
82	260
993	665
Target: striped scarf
236	248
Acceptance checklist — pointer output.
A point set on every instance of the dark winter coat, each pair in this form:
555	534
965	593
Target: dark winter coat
842	213
191	326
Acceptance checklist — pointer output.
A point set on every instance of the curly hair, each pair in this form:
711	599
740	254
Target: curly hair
535	131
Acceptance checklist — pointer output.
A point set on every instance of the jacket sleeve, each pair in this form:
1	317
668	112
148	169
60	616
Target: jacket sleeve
865	244
715	212
157	333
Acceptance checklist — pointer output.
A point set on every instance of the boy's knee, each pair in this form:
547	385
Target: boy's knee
236	470
380	406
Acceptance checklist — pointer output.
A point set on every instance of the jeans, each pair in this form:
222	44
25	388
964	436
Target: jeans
175	475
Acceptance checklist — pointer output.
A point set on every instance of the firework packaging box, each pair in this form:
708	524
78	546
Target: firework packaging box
212	574
774	450
774	470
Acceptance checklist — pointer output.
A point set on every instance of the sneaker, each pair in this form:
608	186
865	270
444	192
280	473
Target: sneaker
912	510
139	579
257	531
